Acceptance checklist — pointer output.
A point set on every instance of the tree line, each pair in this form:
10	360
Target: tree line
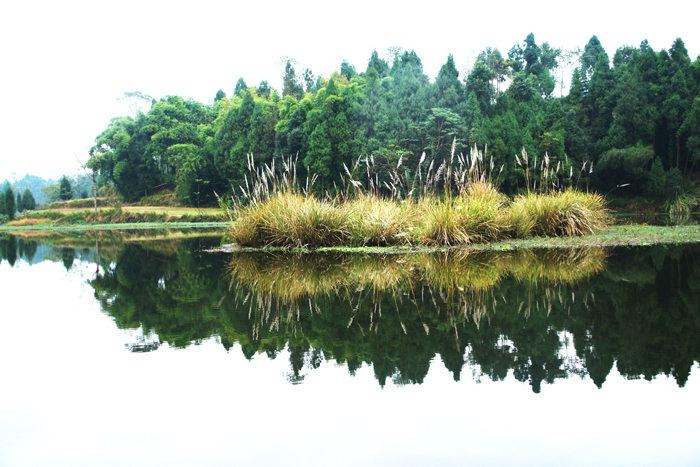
635	118
11	204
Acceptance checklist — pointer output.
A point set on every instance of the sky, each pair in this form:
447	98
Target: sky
63	65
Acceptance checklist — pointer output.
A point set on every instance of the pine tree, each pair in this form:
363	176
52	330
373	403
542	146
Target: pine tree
28	200
65	190
9	203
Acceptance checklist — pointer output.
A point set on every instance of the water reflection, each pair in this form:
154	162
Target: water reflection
538	315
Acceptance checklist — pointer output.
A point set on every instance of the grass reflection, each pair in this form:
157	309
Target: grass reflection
293	276
464	280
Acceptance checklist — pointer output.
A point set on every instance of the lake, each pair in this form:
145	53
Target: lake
119	351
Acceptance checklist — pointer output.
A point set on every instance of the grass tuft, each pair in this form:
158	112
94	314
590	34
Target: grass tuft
290	219
568	212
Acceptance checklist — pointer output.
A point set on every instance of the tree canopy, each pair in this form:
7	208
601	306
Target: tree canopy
623	115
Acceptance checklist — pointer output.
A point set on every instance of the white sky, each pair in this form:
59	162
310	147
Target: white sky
64	64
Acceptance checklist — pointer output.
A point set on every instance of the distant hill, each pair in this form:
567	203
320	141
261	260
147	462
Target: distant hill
82	186
34	183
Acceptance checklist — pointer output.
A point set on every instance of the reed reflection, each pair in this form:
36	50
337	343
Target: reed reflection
399	300
537	316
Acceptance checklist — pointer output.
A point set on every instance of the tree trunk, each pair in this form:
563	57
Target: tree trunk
94	193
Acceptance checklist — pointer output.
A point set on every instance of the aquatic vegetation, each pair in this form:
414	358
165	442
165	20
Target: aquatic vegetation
457	204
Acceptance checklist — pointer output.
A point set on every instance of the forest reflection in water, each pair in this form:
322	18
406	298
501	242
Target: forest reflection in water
538	315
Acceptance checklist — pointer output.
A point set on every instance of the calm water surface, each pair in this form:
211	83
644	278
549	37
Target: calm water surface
157	353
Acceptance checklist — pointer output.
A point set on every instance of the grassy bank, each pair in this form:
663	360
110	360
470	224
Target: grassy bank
52	227
67	215
110	237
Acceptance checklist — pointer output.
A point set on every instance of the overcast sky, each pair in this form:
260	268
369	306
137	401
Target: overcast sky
64	64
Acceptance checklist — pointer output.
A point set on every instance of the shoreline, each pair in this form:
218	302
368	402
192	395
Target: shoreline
116	226
614	236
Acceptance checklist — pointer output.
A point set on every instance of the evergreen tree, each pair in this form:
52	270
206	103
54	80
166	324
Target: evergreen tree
65	189
290	83
347	70
449	91
656	186
240	87
9	203
28	200
264	89
19	205
219	95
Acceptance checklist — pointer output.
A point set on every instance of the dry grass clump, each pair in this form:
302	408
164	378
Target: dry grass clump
290	219
380	222
28	221
473	216
567	212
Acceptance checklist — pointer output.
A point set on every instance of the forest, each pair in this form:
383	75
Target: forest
630	124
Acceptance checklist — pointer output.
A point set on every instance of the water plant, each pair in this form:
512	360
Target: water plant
455	202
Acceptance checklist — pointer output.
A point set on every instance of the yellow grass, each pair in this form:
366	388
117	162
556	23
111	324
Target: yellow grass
24	222
171	211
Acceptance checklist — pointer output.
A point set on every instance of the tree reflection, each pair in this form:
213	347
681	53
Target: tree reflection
498	314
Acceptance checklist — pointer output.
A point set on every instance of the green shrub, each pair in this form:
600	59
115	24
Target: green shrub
656	185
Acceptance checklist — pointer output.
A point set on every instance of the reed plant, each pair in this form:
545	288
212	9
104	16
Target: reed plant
377	221
569	212
455	202
472	216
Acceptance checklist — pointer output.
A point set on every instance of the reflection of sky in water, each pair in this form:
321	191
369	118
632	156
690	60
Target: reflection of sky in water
71	394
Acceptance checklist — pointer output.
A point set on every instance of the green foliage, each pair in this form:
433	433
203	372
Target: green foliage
392	111
10	207
656	186
29	204
626	166
674	184
65	191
